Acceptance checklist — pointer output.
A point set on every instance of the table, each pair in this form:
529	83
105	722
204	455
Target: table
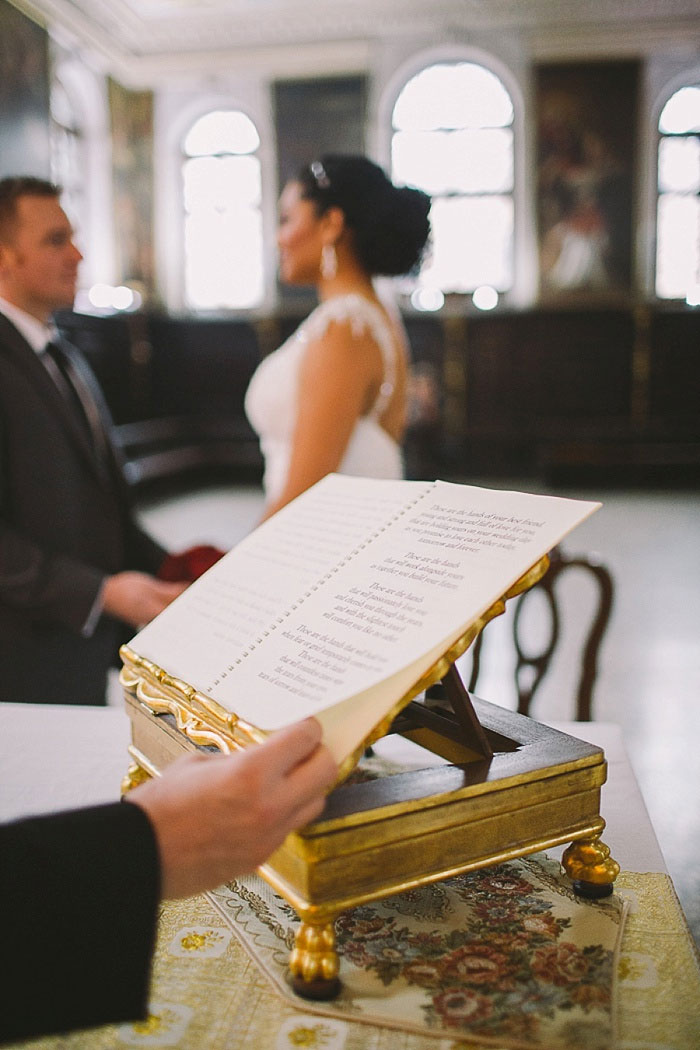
55	756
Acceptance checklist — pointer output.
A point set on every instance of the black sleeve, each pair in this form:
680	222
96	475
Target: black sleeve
79	898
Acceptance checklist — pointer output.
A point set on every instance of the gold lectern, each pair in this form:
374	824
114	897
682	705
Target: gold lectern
509	786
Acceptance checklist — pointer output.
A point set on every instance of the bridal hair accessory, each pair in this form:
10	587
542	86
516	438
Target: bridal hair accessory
329	262
319	173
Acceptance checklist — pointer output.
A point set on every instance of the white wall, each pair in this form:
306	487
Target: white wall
244	80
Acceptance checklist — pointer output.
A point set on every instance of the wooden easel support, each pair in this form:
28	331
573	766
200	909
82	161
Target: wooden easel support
454	718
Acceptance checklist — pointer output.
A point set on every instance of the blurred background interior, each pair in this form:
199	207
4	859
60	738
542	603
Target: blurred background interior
554	326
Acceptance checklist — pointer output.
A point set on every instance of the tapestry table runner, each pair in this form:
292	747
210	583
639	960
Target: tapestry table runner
210	993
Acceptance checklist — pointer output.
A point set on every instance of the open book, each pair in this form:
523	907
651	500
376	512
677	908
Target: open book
341	602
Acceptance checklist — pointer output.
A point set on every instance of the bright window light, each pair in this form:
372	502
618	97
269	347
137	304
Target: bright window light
453	95
219	183
485	297
692	297
100	295
427	299
223	131
453	138
679	165
224	259
471	244
681	114
122	298
678	208
222	193
68	155
678	245
468	161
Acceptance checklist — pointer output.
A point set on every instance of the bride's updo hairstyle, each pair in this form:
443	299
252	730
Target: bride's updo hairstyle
389	223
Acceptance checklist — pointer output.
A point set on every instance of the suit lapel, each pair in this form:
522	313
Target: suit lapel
13	344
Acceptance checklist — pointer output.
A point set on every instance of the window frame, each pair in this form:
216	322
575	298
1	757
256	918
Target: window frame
524	259
689	78
87	95
175	112
184	157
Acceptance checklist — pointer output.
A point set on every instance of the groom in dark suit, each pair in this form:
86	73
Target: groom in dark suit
75	568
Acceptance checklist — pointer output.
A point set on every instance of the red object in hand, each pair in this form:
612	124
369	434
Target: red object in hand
190	564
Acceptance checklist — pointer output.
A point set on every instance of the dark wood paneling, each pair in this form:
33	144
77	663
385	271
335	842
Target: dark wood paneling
570	394
542	372
675	372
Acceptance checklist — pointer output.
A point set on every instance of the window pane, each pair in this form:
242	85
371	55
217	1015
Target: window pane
223	226
224	265
456	95
218	183
454	161
679	165
681	114
223	131
454	140
472	244
68	155
60	106
678	246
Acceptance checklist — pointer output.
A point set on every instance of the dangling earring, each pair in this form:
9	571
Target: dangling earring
329	262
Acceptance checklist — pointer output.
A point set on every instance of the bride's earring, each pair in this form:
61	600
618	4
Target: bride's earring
329	262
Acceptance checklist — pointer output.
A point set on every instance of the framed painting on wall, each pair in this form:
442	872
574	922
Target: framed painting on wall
586	141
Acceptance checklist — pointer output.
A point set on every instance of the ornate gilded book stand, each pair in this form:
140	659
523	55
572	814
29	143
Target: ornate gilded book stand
510	787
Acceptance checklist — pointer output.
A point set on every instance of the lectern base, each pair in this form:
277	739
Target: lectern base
458	812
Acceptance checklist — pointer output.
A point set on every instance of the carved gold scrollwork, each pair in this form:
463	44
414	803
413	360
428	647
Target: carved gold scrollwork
198	733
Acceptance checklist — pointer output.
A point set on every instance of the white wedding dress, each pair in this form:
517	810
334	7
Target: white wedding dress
273	393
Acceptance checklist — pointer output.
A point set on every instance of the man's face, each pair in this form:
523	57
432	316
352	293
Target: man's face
38	259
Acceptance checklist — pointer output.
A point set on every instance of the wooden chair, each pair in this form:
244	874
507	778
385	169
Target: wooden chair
531	667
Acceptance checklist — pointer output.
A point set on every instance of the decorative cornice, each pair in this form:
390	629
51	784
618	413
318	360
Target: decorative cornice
143	41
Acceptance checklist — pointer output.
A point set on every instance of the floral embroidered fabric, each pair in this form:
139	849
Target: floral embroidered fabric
507	956
212	986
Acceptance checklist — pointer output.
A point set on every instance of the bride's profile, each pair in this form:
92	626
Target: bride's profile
333	397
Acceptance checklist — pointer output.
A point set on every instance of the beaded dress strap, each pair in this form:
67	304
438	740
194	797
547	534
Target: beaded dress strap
361	314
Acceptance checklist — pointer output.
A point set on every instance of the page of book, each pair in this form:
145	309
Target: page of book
372	616
246	592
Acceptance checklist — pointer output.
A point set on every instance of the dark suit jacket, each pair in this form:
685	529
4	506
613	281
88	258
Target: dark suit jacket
66	522
78	904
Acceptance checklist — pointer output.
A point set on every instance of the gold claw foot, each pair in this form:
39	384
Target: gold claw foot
313	962
589	865
134	776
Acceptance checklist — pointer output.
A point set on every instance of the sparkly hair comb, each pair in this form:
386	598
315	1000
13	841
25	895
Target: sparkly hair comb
319	173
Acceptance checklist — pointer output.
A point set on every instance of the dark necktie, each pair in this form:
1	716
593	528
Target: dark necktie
76	389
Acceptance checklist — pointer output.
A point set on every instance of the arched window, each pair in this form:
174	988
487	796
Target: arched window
222	189
453	138
81	163
678	204
68	154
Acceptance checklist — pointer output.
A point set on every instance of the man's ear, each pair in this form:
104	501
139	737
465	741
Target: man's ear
4	250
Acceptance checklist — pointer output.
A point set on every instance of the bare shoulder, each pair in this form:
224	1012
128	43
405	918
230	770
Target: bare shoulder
342	344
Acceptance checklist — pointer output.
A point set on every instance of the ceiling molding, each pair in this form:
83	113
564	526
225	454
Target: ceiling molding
141	42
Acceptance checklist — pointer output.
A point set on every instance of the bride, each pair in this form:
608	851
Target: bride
333	396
